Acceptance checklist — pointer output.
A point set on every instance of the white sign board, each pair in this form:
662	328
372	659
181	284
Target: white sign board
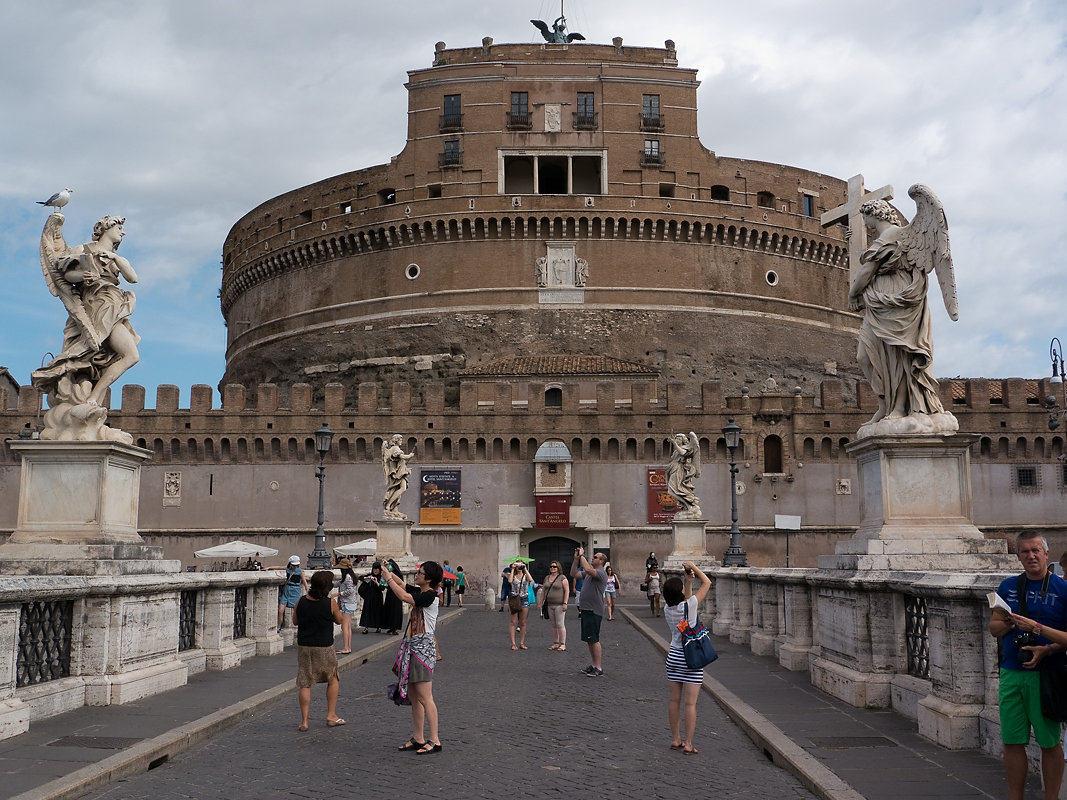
786	522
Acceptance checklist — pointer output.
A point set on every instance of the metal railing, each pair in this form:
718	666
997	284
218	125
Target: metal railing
519	121
187	620
240	612
44	641
451	122
582	121
652	122
651	158
917	636
450	158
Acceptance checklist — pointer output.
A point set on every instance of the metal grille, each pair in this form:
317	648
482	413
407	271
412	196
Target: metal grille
187	620
240	612
917	636
44	642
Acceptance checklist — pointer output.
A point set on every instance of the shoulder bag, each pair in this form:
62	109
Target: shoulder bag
696	642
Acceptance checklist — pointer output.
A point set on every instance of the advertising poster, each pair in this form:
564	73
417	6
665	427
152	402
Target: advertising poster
553	511
440	500
661	506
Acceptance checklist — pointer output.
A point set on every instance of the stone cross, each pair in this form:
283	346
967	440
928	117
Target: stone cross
849	212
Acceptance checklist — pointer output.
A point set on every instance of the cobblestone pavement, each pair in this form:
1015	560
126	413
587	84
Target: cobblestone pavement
526	723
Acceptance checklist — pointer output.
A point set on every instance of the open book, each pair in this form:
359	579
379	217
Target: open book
996	602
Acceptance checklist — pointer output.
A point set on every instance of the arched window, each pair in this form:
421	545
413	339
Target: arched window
720	192
554	397
772	454
765	199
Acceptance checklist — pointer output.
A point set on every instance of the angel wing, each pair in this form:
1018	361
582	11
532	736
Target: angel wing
543	27
926	244
575	36
385	457
694	442
55	260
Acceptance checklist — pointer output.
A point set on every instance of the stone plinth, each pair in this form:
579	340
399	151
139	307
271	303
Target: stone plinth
690	544
394	541
915	508
78	504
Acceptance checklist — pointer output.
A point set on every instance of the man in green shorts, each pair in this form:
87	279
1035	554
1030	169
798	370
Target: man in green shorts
1044	597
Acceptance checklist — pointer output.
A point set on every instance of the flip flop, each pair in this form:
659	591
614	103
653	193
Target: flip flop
692	751
334	723
342	652
677	746
523	647
303	728
513	647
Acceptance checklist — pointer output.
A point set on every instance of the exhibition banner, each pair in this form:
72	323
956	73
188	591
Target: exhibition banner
661	505
440	500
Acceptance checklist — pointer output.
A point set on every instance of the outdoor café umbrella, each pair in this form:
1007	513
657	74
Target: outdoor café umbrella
364	547
236	549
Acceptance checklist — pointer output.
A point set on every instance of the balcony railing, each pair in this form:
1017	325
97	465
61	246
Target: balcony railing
581	121
450	159
652	122
651	159
519	121
451	122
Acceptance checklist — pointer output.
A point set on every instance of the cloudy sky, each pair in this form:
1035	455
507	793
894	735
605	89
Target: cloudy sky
182	115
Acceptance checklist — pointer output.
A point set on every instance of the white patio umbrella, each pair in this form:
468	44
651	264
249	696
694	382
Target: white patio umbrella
236	549
364	547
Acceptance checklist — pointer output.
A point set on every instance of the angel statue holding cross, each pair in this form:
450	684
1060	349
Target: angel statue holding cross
896	348
99	343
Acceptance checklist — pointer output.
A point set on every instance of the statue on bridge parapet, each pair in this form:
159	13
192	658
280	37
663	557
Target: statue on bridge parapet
889	285
397	472
682	469
99	343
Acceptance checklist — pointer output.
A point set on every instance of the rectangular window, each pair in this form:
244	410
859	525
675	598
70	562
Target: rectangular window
451	157
651	155
809	205
585	116
519	116
1026	479
452	118
651	119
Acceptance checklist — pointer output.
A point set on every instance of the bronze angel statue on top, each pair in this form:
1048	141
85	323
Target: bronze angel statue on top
896	348
557	34
99	343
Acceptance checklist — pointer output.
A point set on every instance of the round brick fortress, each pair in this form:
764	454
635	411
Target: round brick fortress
585	156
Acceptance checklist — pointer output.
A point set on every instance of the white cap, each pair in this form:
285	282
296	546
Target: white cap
294	559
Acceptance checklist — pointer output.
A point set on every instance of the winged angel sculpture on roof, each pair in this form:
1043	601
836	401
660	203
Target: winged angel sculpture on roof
99	343
557	34
896	348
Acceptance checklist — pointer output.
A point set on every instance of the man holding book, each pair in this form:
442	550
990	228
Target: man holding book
1040	599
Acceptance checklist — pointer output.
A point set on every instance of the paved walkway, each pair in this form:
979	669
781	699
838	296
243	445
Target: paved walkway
509	719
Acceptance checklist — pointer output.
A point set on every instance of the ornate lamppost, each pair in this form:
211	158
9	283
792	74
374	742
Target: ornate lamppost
1055	351
735	555
319	558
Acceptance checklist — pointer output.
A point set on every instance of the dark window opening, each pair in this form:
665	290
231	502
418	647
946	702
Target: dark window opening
585	116
666	190
433	190
720	192
772	454
554	397
765	200
452	118
519	115
651	119
386	197
552	175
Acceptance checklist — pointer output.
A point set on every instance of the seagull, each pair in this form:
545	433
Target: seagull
58	200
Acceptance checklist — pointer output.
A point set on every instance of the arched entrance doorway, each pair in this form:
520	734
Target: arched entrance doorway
551	548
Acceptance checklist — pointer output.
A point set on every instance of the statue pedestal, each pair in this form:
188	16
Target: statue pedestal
915	508
77	513
394	541
690	544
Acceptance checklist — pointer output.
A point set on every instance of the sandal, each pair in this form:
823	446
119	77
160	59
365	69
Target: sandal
303	728
523	647
513	647
691	751
555	646
334	723
678	746
561	648
411	744
428	748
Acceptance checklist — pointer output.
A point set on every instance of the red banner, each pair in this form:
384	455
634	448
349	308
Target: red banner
553	511
661	505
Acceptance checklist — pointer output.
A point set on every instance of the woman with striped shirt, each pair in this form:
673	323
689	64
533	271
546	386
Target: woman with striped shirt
681	602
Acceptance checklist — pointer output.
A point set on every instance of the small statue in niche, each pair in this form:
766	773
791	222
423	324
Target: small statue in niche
581	271
542	271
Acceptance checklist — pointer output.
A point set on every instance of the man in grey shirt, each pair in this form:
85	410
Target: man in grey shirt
591	604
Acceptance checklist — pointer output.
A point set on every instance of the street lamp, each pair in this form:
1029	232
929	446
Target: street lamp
735	555
1055	351
319	558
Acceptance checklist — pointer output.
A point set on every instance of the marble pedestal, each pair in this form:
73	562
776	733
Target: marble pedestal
690	544
915	507
394	541
77	512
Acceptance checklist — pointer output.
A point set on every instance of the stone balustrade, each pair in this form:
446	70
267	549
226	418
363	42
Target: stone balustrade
99	640
916	643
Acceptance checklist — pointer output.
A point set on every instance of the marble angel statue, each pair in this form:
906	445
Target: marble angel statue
682	469
396	469
896	347
99	343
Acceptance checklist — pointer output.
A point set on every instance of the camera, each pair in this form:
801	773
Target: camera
1025	639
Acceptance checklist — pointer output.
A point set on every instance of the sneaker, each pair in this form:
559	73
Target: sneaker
593	672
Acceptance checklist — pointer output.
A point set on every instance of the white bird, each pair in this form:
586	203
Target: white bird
58	200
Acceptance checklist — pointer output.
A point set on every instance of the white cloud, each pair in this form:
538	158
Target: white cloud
183	115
